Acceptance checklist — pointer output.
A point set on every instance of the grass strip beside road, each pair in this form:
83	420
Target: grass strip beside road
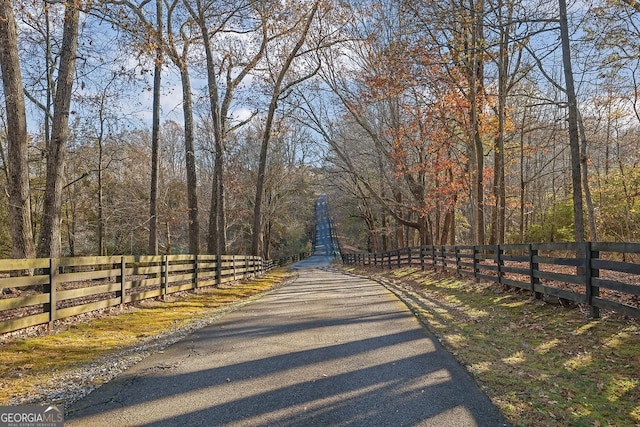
29	364
541	364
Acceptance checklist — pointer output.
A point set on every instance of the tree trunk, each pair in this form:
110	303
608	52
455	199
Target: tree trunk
17	139
49	245
257	238
478	187
221	215
182	62
190	158
155	136
212	236
499	213
574	140
217	239
446	228
258	232
217	230
591	215
523	183
266	253
101	243
101	220
476	85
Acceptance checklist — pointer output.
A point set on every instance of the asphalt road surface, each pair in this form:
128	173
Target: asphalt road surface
328	349
324	246
325	350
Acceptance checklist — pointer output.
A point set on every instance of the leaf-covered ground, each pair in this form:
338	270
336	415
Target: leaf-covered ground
28	364
541	364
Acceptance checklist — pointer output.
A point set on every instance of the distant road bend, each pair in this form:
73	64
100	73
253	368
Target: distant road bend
324	245
326	350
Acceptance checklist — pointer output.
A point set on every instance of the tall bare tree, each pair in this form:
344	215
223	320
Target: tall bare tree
155	131
574	137
17	137
221	91
181	60
279	87
508	61
49	242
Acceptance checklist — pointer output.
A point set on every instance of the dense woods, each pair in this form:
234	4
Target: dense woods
206	126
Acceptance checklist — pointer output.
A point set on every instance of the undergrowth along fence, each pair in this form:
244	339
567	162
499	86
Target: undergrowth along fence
44	290
599	274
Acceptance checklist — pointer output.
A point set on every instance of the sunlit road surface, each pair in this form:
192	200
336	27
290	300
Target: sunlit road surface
327	349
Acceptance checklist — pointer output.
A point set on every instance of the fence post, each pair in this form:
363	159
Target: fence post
589	274
123	270
409	254
54	265
398	252
421	257
475	262
500	261
164	283
233	265
433	257
218	270
533	267
442	256
456	250
196	267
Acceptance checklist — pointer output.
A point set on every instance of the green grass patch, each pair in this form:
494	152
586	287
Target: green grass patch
28	363
541	364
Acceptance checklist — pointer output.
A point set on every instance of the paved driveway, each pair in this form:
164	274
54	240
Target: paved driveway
327	349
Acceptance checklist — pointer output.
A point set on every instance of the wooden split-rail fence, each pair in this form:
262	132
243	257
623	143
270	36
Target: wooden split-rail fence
44	290
600	275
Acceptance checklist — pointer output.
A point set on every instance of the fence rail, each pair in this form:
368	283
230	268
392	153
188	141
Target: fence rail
44	290
599	274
